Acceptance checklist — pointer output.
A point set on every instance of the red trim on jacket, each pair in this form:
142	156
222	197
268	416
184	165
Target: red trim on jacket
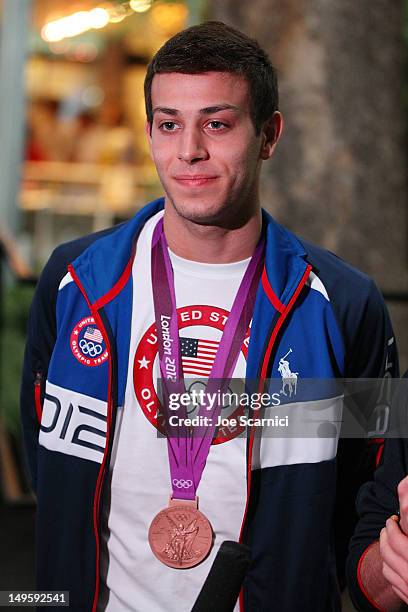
37	397
380	443
98	487
279	323
376	441
281	320
117	287
360	582
379	454
270	293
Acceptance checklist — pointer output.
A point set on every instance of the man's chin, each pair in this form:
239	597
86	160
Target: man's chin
202	214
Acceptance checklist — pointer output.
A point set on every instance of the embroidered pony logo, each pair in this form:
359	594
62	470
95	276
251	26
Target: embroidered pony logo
289	378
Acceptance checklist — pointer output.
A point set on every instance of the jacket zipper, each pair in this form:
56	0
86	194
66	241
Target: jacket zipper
37	395
263	372
98	320
99	482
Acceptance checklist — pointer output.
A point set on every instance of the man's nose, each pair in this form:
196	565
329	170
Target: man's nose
191	146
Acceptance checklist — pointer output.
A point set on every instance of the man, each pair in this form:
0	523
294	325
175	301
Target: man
377	566
206	265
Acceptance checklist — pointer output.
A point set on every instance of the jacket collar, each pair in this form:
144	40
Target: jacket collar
102	265
284	260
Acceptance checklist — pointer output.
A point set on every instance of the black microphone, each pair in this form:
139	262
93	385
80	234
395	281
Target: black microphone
221	588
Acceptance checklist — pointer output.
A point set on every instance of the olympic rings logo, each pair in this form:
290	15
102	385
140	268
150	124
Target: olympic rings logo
90	348
182	484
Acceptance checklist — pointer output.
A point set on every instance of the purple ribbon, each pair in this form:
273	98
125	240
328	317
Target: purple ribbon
188	453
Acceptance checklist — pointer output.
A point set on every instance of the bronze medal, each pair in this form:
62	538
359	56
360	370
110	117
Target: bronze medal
180	536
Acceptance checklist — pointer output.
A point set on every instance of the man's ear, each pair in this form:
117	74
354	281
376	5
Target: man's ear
271	132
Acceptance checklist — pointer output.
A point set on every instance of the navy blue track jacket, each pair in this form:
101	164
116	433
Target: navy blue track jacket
300	512
377	500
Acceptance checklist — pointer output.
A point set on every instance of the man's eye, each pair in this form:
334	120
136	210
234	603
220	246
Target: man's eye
168	126
216	125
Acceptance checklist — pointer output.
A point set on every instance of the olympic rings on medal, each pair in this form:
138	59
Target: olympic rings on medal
90	348
182	484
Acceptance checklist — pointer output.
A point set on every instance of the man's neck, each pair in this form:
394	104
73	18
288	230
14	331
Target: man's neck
211	243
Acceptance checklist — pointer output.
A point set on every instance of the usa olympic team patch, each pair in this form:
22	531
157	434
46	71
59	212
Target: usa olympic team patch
87	343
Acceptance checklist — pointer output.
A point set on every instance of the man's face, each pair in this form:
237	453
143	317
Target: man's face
204	146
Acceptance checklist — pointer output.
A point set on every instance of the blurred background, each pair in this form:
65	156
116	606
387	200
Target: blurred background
74	158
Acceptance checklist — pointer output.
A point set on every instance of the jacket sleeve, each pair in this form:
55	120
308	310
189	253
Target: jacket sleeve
376	502
372	350
41	335
370	353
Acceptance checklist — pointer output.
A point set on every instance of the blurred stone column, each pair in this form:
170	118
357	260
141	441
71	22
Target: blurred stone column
14	37
13	49
339	175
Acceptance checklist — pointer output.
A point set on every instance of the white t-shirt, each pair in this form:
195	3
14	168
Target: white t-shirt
132	578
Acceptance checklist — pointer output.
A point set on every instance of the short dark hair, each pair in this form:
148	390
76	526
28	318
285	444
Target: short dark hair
215	46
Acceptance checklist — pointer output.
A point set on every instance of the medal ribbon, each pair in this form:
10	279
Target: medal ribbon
188	453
